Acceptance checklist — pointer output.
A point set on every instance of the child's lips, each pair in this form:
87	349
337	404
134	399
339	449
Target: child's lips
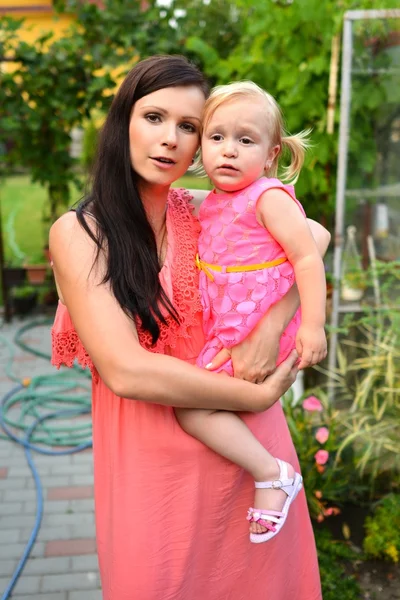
227	167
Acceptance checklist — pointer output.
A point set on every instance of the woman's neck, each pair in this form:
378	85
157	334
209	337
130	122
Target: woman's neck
154	200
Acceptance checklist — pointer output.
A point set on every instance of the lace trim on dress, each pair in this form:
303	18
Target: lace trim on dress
186	296
66	348
66	345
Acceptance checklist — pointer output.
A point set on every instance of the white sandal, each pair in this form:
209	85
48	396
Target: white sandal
274	520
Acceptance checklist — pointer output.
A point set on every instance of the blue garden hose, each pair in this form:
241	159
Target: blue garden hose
37	395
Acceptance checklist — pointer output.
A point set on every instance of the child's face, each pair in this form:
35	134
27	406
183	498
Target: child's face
235	144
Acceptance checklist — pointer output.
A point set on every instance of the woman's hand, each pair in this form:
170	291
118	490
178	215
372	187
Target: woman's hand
281	379
255	357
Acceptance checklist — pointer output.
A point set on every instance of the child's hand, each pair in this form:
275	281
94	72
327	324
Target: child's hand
310	345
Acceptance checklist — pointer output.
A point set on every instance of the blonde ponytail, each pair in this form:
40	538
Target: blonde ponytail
297	146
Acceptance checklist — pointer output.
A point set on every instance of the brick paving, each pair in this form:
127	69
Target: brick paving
63	563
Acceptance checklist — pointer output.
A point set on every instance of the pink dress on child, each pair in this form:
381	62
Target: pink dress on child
170	513
233	303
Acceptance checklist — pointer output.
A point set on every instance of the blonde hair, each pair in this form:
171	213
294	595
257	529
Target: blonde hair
295	144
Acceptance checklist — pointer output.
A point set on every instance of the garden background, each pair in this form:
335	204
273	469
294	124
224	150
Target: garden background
57	81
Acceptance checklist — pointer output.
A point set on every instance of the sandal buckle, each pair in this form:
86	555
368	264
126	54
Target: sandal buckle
277	484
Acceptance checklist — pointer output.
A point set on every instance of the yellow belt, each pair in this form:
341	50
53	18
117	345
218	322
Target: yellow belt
207	268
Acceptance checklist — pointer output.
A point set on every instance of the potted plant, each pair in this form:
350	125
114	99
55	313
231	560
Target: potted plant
36	273
353	282
23	299
353	285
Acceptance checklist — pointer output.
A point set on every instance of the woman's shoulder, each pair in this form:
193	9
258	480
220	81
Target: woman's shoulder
68	236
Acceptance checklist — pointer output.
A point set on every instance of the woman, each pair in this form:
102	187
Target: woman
169	512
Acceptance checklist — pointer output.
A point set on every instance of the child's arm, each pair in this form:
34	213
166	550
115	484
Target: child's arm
279	213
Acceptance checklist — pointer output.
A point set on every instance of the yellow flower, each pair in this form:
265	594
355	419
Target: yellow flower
393	553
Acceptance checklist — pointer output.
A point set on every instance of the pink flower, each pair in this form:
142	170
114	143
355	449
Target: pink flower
312	404
321	457
322	435
334	510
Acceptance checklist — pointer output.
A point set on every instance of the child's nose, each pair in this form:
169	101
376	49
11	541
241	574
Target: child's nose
230	150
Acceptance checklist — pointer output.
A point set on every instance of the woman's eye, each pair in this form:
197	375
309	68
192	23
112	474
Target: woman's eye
246	141
189	127
153	118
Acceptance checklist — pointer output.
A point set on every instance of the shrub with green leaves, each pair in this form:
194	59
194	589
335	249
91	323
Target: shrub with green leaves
332	557
383	530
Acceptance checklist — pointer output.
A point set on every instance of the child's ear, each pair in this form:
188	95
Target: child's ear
272	154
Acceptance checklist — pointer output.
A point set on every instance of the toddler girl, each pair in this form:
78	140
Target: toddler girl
254	244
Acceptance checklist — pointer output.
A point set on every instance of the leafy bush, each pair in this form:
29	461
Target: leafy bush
332	557
383	530
89	144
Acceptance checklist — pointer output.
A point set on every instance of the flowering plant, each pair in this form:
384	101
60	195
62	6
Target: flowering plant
317	433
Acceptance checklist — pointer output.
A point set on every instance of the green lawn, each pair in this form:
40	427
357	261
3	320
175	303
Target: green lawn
21	204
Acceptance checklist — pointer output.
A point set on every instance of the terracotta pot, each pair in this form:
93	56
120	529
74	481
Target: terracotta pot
36	273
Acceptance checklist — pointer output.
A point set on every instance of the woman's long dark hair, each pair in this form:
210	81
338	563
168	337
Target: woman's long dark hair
123	228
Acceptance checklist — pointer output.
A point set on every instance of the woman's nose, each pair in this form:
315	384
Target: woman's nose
170	138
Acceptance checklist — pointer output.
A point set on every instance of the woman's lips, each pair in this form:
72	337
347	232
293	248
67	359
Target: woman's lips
163	162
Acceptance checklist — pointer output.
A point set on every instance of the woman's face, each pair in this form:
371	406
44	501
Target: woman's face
164	133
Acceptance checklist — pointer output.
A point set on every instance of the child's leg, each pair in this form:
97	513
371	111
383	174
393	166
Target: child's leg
226	434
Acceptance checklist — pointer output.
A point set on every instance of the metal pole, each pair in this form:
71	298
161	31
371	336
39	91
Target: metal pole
345	101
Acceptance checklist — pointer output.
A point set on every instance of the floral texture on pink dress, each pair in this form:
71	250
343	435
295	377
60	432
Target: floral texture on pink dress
233	303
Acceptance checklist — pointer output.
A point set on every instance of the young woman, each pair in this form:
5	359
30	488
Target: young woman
168	510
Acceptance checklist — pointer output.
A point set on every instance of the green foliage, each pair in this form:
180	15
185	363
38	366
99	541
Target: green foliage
333	556
23	291
89	144
383	530
367	382
328	479
51	91
285	47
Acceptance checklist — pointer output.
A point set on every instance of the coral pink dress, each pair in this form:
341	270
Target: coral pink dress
170	513
233	303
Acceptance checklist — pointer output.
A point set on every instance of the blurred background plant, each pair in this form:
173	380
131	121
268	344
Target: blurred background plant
383	530
366	383
317	432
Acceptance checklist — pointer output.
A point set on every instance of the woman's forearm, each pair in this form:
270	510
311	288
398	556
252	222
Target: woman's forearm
166	380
